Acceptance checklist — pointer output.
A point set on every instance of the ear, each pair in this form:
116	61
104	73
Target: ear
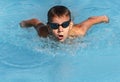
71	24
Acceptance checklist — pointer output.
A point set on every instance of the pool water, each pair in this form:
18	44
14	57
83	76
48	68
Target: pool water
25	57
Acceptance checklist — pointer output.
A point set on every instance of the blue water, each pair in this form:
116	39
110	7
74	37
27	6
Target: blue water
24	57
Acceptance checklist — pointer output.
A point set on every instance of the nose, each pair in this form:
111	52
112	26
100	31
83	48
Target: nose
60	29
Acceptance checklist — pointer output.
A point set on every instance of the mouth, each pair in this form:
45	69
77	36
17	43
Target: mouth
60	37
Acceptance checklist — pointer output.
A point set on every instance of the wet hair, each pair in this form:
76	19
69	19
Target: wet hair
58	11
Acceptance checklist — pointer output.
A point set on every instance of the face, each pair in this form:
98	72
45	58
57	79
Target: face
63	24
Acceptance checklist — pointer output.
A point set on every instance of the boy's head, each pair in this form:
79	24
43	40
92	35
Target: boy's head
58	11
59	20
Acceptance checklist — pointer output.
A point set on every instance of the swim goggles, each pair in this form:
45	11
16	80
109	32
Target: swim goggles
56	25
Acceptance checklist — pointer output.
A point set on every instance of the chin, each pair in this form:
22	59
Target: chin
61	40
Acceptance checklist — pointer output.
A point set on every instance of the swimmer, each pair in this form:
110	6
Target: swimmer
60	24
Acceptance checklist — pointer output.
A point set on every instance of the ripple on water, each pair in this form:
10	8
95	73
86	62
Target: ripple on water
21	57
38	52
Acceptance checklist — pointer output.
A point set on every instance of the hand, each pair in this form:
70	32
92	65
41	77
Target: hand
105	19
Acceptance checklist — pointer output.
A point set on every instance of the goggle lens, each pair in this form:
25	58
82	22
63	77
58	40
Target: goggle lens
56	25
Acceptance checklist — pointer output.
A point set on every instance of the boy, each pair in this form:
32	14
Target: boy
60	24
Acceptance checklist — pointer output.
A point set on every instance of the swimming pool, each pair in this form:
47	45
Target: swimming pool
24	57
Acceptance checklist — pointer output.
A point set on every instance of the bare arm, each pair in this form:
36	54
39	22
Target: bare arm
85	25
41	29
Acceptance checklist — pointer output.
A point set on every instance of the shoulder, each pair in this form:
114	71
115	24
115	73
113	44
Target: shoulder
42	30
76	31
